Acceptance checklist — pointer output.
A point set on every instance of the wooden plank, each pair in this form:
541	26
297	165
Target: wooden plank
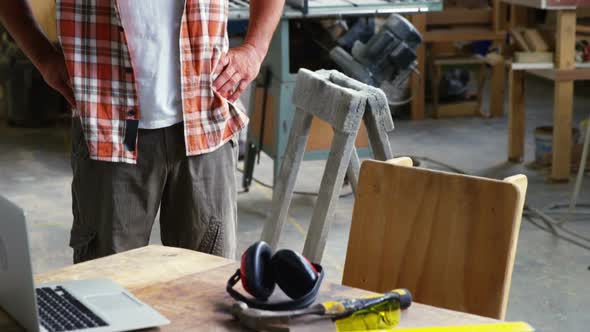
521	183
190	291
322	134
177	301
563	75
418	82
462	34
516	116
535	40
128	268
519	16
563	96
565	40
497	84
533	57
449	238
269	121
460	16
545	4
464	108
545	66
472	60
583	29
499	15
519	40
562	135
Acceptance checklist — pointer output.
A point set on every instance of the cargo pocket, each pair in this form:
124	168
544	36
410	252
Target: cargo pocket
82	241
84	248
213	239
83	233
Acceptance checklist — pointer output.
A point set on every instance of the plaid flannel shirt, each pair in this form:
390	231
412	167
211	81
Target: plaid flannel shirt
100	67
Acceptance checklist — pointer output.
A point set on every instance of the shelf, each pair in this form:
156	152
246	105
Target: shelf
578	74
460	16
462	34
546	70
549	4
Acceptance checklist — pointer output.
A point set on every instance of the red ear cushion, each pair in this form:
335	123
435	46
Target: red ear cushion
255	272
294	274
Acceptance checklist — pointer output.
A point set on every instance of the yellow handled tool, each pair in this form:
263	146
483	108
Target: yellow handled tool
257	319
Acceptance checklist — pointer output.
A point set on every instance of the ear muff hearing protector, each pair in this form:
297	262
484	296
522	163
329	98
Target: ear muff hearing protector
260	271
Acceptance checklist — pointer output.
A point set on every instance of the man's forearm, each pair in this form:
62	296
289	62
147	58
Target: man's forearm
18	19
264	17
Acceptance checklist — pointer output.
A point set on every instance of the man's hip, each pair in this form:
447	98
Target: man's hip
115	204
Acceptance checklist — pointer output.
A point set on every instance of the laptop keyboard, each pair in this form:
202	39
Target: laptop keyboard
60	311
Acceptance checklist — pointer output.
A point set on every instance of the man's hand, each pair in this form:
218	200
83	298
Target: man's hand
54	71
236	69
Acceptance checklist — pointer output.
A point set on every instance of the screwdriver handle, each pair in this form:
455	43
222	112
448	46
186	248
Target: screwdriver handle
405	297
340	309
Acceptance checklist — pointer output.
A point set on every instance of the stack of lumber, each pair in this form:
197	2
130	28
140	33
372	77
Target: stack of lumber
531	46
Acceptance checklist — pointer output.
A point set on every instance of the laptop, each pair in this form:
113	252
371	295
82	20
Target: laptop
85	305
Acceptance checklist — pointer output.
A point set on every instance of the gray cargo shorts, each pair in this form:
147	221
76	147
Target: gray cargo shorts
115	204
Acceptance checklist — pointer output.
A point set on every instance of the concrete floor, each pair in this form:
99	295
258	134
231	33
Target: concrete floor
550	282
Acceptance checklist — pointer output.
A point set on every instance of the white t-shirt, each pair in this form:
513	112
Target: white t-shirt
152	28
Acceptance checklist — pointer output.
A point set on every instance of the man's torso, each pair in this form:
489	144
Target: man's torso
153	31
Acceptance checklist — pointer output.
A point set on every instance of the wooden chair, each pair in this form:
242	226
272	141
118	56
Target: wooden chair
450	239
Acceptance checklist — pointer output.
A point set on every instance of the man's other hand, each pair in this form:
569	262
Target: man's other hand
236	69
54	71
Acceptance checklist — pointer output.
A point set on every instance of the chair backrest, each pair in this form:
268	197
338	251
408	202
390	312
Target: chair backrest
450	239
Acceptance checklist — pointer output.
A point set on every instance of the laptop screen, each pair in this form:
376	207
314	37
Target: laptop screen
17	289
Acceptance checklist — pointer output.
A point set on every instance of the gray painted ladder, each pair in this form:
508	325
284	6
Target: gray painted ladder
343	103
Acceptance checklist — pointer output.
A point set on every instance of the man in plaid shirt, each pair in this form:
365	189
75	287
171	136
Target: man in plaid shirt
152	85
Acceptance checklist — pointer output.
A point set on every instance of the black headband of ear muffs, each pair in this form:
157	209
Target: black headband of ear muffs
300	303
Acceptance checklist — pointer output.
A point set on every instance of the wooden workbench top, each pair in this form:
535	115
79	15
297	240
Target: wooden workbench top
189	289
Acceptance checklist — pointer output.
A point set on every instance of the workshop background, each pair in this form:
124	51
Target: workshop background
484	103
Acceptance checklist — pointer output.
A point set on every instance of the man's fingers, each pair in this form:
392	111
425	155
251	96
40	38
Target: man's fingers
224	77
229	85
223	62
238	91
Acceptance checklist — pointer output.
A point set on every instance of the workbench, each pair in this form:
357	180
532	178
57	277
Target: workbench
563	73
280	110
189	289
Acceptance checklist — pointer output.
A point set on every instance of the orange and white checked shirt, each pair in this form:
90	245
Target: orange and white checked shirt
98	61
